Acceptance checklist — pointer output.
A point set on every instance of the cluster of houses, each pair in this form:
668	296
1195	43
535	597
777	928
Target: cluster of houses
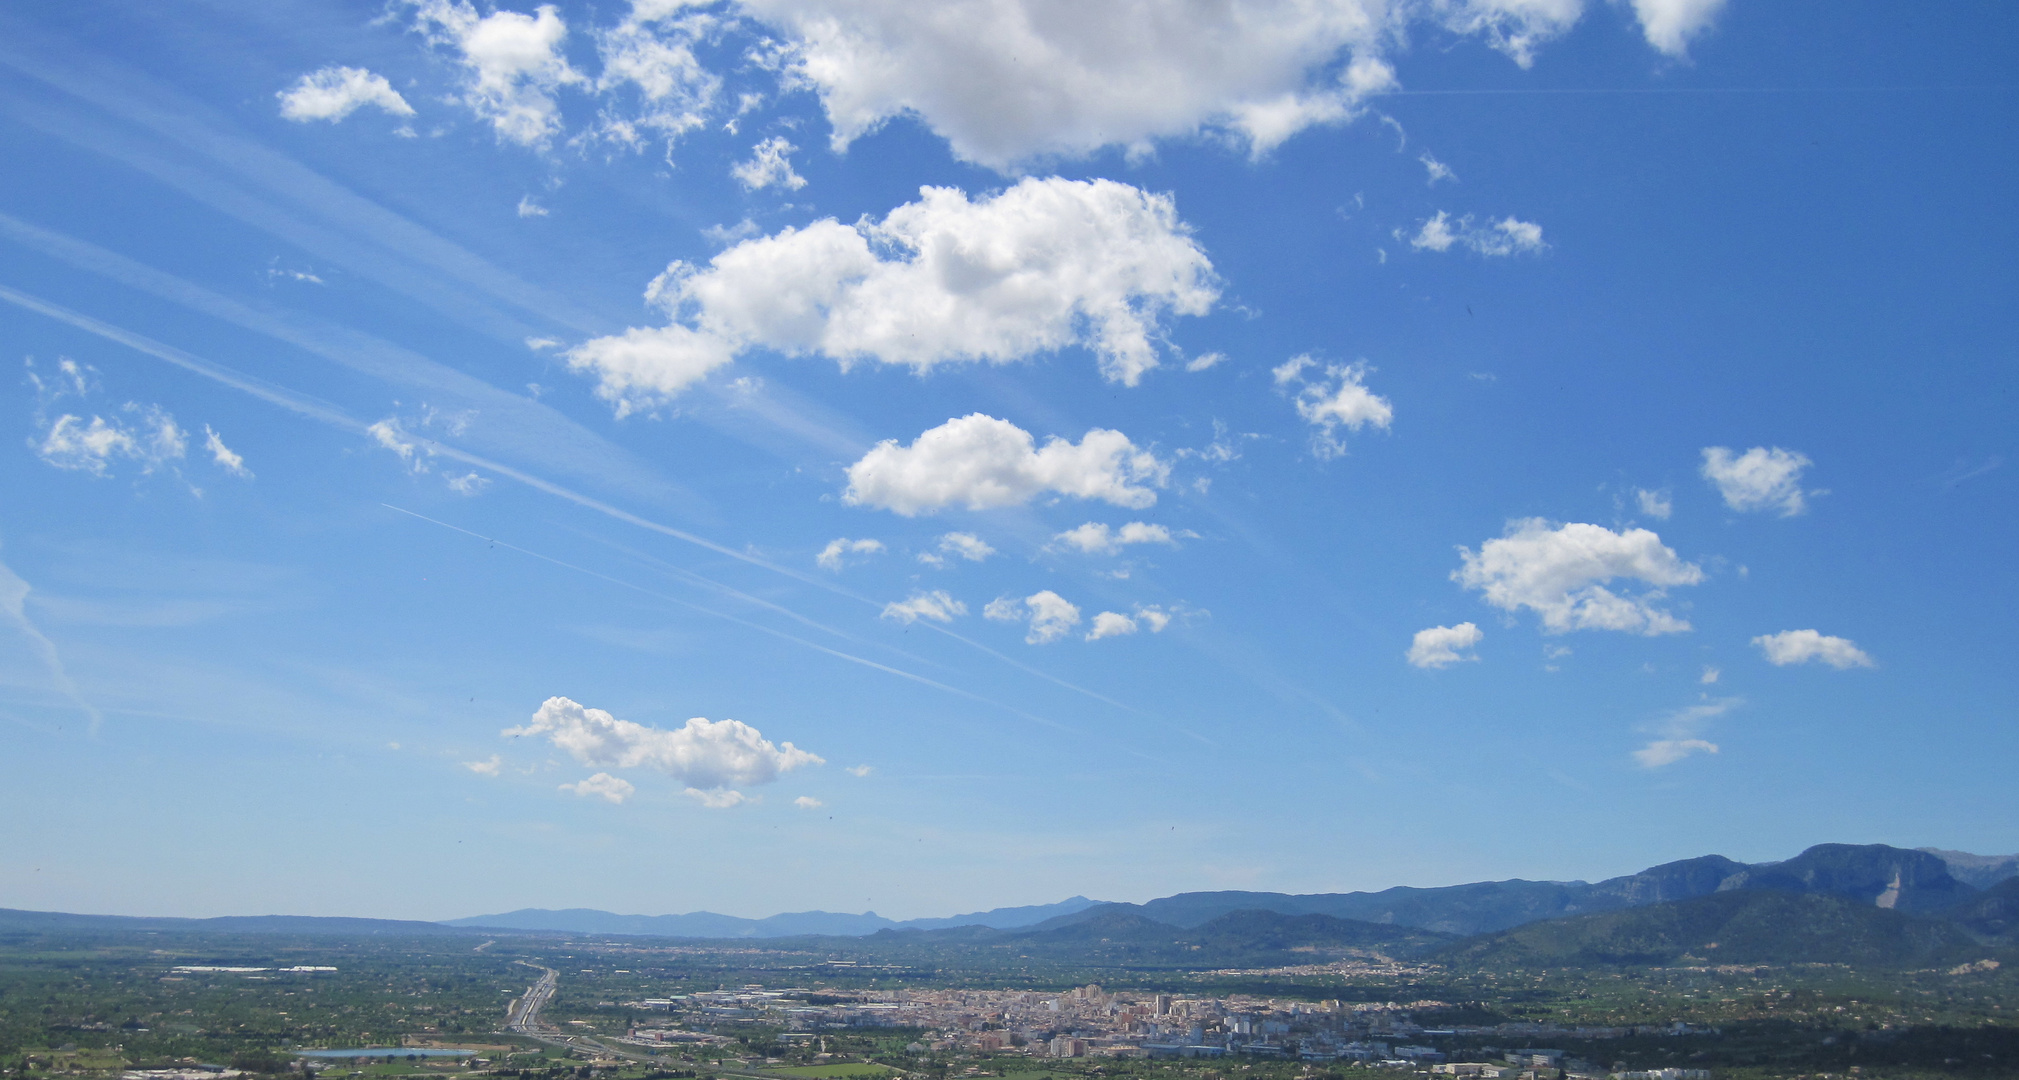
1089	1022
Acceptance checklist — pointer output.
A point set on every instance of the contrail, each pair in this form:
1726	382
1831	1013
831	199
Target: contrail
14	601
761	628
335	417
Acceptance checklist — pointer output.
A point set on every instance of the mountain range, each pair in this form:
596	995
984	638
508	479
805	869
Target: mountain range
1912	881
1834	903
707	924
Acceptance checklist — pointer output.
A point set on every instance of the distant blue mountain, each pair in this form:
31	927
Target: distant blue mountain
58	922
1870	874
708	924
1975	889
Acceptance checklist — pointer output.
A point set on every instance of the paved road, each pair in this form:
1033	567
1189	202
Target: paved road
524	1015
523	1018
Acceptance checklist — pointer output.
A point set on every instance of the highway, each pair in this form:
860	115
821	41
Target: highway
523	1018
524	1015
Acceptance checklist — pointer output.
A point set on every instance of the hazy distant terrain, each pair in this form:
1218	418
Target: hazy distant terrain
1923	880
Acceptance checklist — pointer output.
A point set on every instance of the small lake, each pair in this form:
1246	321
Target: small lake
385	1052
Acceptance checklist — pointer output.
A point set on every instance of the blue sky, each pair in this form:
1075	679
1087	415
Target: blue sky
1051	452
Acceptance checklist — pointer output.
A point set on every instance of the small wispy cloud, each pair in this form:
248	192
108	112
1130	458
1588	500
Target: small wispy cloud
603	786
1443	646
936	605
226	458
1494	239
1802	646
957	545
770	165
718	798
835	555
1679	734
1655	504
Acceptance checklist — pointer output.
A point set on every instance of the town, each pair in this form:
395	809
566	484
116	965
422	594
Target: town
1090	1022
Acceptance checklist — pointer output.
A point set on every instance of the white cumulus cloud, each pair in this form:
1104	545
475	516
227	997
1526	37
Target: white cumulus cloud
708	756
1006	81
960	545
333	93
979	462
1096	538
1561	571
957	545
1338	400
1042	266
1111	624
770	165
1762	478
1802	646
1156	618
488	767
1050	616
1670	24
807	802
835	555
512	62
603	786
650	53
1508	236
936	605
1442	646
645	366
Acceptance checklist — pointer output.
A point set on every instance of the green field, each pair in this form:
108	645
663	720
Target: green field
845	1071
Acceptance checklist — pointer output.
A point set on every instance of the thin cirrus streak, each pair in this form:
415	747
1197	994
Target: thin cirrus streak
335	417
286	198
839	590
506	422
319	216
1029	670
689	577
257	387
759	627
